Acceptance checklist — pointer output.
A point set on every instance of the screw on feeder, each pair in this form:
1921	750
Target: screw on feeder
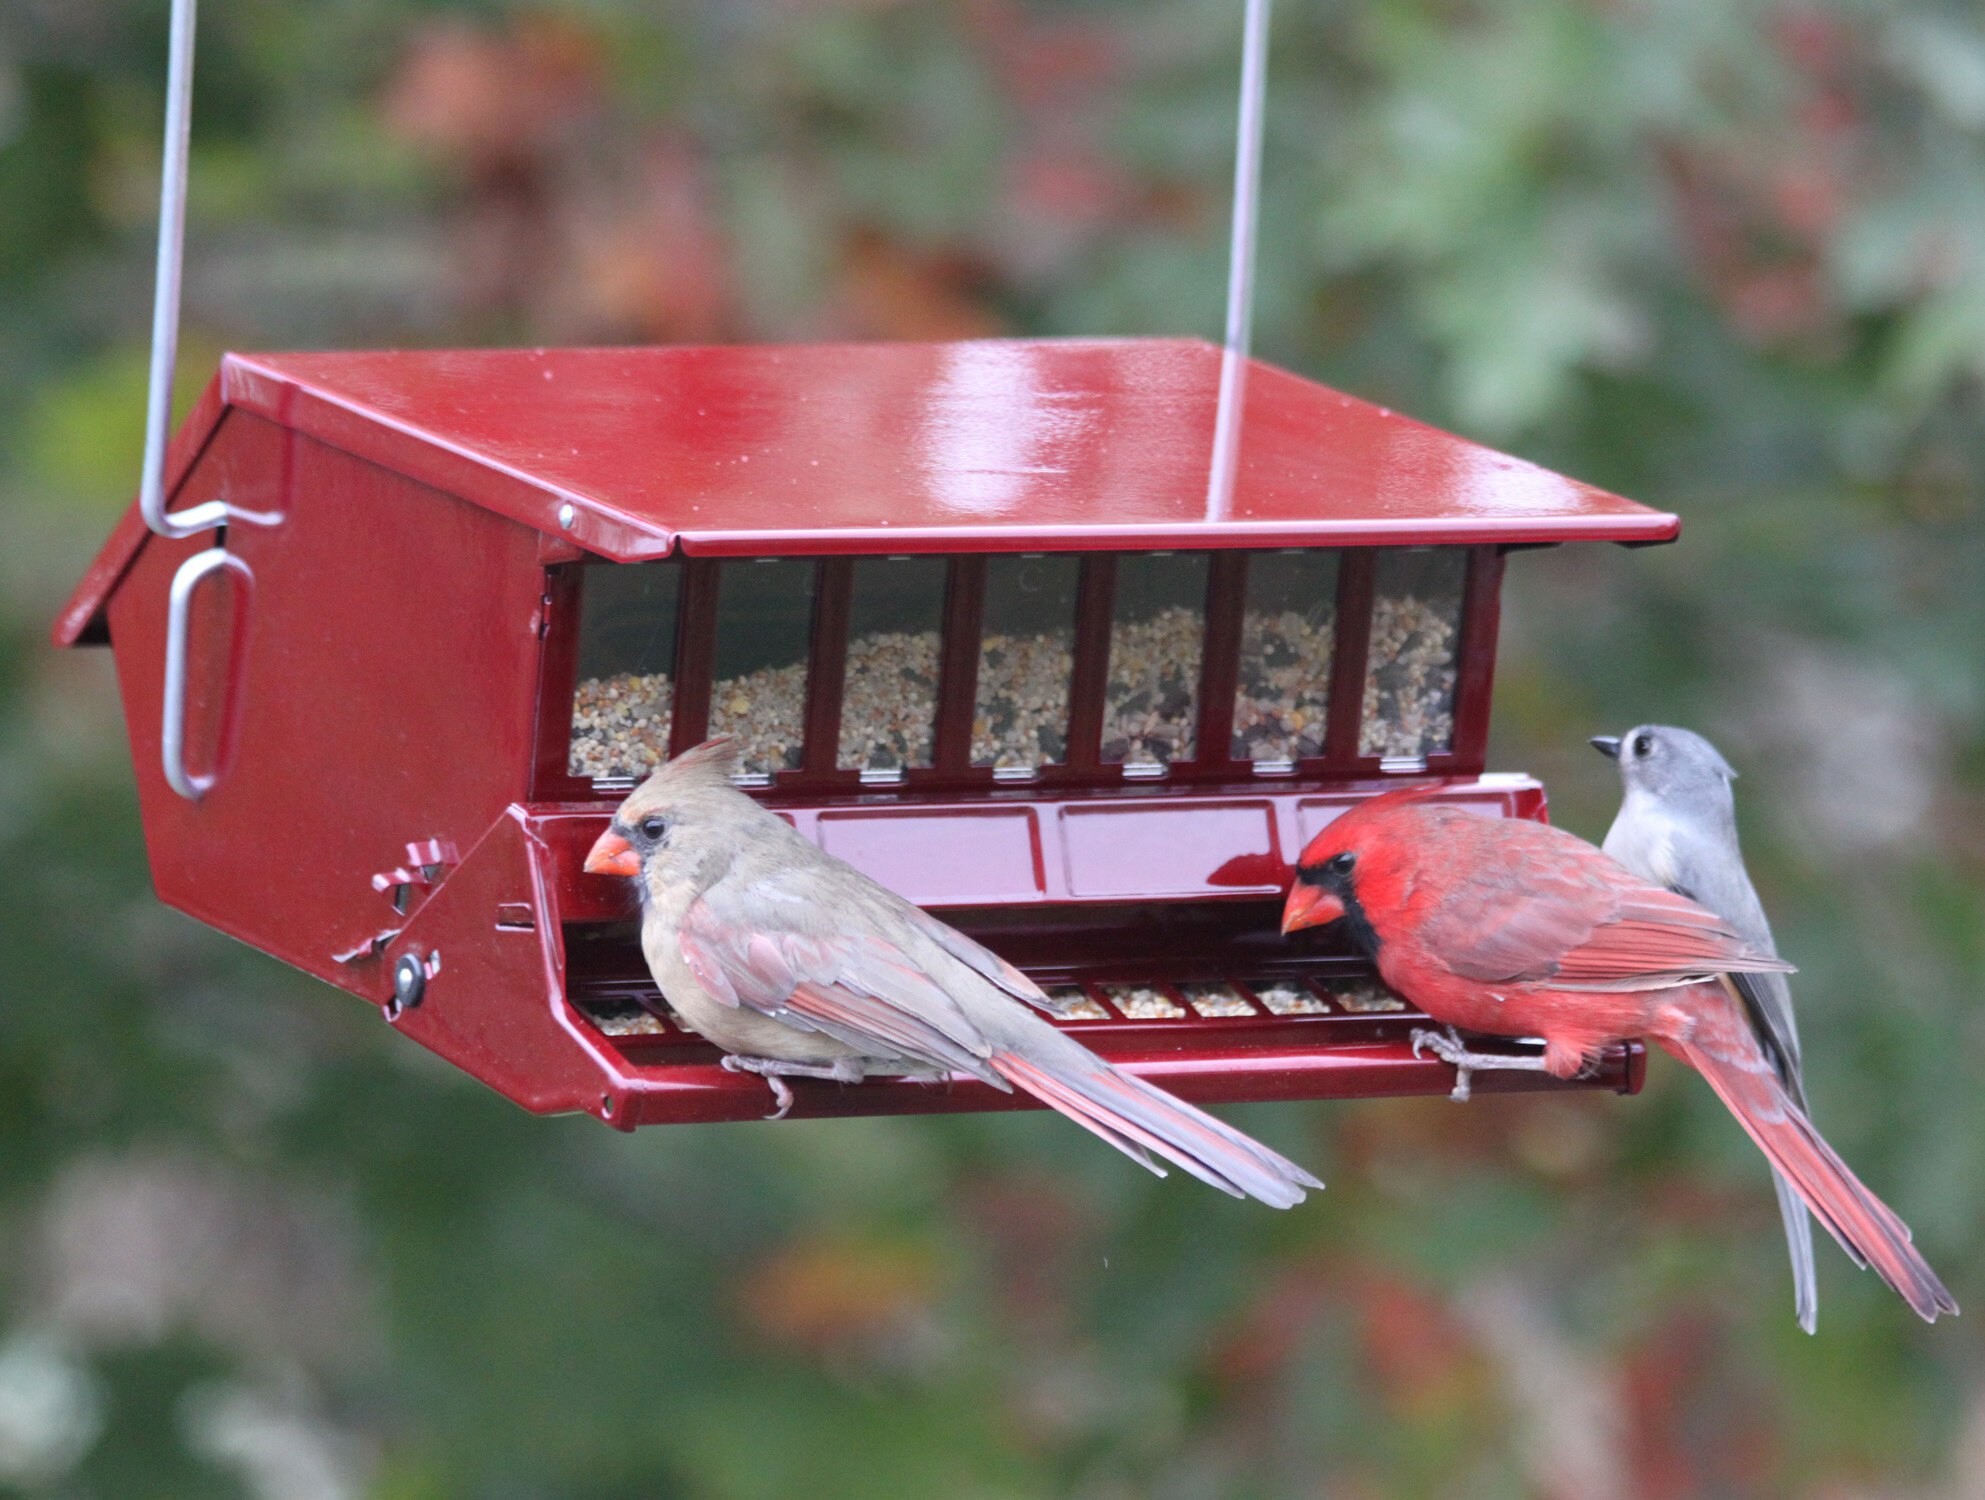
410	973
567	514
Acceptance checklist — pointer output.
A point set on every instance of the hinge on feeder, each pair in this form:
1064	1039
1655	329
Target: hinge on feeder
372	947
428	864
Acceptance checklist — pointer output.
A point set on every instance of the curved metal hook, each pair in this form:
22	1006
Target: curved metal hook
172	708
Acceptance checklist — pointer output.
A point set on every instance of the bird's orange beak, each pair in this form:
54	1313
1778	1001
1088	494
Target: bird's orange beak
1309	906
613	855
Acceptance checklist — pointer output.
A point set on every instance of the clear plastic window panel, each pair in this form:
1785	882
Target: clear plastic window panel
626	688
1288	640
1416	641
1151	709
764	627
889	697
1026	658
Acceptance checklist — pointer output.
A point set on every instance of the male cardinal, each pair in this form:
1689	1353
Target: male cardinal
1513	928
1677	827
797	964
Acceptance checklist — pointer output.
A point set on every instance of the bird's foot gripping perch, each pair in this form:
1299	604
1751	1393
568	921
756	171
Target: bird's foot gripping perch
775	1071
1448	1047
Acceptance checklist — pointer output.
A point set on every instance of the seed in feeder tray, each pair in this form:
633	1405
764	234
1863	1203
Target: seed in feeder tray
1215	1000
1139	1002
620	1018
1364	996
1288	997
1072	1003
620	725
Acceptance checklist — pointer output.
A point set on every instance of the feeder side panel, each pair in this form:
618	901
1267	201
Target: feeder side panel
380	692
493	1003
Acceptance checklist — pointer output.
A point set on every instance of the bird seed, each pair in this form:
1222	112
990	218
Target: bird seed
1216	1000
1288	997
1072	1003
1139	1002
1364	996
620	723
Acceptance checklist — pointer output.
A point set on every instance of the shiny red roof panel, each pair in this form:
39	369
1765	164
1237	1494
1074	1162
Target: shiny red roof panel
984	445
989	444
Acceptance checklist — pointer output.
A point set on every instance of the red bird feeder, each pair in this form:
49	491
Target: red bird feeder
968	607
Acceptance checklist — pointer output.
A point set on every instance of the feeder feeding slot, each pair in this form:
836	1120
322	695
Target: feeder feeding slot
1415	645
1157	639
889	696
764	628
627	638
1288	643
1026	662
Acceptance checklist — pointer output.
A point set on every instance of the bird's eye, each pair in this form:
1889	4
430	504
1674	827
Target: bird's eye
1341	865
653	828
1643	744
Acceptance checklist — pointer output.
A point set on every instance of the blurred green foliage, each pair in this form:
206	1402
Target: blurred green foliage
1725	257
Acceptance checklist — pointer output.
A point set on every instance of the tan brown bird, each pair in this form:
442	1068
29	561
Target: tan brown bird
798	965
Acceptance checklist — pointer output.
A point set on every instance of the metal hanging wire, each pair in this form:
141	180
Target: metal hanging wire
1240	261
165	295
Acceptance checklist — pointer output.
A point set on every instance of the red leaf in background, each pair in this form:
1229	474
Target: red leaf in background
1255	1347
493	101
1699	1426
650	258
868	1298
1032	1230
1420	1353
887	290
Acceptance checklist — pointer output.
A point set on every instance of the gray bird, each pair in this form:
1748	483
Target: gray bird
1677	826
798	965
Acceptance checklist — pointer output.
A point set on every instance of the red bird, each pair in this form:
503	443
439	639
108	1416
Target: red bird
1516	929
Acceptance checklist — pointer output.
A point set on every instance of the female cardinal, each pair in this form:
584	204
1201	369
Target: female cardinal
797	964
1513	928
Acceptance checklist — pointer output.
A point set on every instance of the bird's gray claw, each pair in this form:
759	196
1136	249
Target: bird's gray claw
730	1062
1449	1049
782	1093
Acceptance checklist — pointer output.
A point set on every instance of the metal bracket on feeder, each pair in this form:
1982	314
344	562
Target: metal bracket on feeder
428	864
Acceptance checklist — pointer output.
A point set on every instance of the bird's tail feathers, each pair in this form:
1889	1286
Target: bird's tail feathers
1867	1228
1799	1244
1141	1120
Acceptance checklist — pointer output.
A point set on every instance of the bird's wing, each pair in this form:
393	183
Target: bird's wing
1714	875
988	963
1767	1000
848	983
1568	916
